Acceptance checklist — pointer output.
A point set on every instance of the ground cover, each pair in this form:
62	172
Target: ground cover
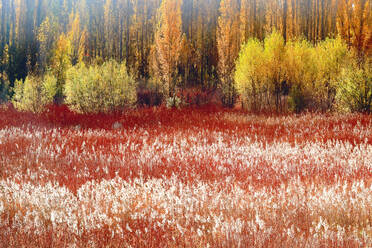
205	177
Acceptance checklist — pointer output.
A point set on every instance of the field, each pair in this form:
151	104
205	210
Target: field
204	177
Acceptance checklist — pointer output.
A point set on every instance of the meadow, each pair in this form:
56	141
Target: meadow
206	177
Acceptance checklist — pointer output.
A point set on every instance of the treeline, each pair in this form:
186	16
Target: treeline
297	75
169	45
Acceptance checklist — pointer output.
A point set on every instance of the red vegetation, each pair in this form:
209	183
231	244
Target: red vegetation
221	148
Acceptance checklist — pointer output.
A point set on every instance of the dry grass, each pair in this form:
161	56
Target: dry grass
185	178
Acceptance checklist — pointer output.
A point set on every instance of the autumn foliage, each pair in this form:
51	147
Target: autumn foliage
99	88
193	123
298	75
184	178
170	46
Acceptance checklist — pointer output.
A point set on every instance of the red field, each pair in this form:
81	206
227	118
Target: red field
185	178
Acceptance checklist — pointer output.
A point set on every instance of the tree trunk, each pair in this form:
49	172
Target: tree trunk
285	9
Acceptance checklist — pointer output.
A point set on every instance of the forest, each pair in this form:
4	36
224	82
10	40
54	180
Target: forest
264	55
185	123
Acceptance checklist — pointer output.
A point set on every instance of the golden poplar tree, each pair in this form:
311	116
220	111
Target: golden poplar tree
46	36
74	35
228	45
362	27
354	20
168	43
250	18
61	61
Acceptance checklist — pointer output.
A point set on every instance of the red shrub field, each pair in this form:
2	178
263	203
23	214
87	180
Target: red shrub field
206	177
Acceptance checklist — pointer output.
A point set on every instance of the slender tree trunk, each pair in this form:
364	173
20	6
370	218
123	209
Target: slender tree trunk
285	10
127	33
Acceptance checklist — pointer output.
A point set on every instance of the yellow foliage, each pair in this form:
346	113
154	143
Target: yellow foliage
330	57
354	91
228	45
248	74
34	93
98	88
168	44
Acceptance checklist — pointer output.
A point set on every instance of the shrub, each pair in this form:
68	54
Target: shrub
248	75
99	89
260	73
330	57
354	91
274	71
300	73
265	71
33	94
50	86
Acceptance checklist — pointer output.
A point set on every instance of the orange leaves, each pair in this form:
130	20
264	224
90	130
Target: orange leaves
354	19
168	45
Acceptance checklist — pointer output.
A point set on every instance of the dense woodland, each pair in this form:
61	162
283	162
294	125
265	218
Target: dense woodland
181	44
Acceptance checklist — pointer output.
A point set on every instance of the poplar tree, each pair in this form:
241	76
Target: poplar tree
168	43
228	44
354	19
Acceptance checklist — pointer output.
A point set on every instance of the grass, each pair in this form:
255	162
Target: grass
204	177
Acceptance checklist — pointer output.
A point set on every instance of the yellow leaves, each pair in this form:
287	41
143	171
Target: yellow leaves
97	88
354	90
259	70
34	93
299	62
354	19
228	45
46	36
63	49
248	81
330	56
310	71
44	27
168	44
274	46
248	65
61	61
74	33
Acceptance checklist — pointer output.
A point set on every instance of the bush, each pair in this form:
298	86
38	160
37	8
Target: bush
260	73
266	70
50	86
33	94
248	75
300	73
354	92
274	71
330	57
99	89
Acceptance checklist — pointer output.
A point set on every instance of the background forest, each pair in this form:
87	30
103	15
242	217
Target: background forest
100	55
